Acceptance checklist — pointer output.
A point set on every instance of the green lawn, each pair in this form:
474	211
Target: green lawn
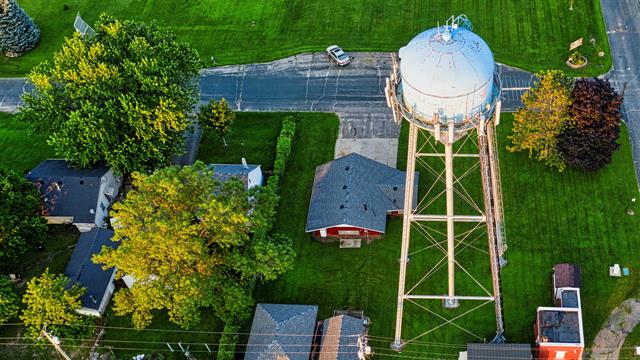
550	218
629	348
254	137
529	34
21	151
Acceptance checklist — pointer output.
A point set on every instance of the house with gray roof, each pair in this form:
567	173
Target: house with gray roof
352	197
343	338
250	175
82	271
497	352
75	196
281	332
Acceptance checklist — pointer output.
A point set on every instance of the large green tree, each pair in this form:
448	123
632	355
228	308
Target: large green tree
545	115
49	303
189	242
122	96
8	300
21	225
18	33
591	139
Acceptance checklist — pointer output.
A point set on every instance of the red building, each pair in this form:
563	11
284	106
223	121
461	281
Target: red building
352	197
559	333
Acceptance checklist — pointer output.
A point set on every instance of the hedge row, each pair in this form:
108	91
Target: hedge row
283	150
264	213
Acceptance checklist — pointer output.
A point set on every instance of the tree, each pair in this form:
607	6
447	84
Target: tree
217	116
49	303
8	300
21	225
590	141
18	33
187	241
122	96
545	115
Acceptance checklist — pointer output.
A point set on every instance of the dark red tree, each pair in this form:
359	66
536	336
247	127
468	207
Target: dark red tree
591	139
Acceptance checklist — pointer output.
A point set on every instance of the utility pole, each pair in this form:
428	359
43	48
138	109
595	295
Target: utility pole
55	342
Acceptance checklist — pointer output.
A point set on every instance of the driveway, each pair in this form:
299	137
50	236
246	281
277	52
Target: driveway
622	20
309	82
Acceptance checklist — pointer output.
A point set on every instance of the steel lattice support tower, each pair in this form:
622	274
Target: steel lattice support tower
448	123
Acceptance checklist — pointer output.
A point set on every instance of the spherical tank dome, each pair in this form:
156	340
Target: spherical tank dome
447	70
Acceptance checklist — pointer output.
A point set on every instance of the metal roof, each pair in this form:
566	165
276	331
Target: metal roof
499	351
357	191
340	338
68	191
80	269
447	69
281	331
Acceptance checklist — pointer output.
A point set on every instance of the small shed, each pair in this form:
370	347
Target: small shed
83	271
75	196
497	352
281	332
250	175
566	275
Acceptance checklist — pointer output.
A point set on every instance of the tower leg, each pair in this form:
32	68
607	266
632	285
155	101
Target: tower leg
398	344
451	256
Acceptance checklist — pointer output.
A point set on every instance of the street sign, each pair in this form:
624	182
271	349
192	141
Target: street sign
575	44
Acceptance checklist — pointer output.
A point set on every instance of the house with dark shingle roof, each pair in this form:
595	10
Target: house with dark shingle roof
352	197
281	332
75	196
82	271
250	175
343	338
497	352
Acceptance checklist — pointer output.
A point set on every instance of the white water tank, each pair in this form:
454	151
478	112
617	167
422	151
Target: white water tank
447	70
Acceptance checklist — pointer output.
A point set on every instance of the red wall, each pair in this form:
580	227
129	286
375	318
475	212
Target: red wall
549	352
334	231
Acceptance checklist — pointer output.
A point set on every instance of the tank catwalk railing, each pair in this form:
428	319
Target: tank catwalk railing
493	210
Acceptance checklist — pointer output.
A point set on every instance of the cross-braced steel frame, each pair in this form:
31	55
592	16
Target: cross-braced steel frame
480	129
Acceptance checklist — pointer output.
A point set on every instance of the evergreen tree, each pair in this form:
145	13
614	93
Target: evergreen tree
18	32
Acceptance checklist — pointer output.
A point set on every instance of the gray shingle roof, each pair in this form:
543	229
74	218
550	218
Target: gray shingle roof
346	330
356	191
281	331
499	351
68	191
80	269
224	172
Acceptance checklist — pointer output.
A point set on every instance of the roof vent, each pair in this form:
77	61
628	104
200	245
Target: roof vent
92	211
81	182
341	206
365	207
93	299
395	188
344	187
346	168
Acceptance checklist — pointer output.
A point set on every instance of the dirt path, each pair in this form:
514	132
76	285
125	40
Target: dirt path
620	323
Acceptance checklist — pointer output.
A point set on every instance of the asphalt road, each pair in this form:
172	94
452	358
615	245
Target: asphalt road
309	82
622	20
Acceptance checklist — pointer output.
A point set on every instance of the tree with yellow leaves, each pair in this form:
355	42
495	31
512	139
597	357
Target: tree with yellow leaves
543	118
122	96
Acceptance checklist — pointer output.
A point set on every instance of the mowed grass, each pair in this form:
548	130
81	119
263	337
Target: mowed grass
21	150
253	136
529	34
550	218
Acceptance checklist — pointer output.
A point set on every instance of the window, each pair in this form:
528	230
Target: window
323	233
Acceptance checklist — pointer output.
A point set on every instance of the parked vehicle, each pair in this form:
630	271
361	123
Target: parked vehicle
339	56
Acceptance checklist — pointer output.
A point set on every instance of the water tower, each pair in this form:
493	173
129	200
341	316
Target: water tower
447	88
